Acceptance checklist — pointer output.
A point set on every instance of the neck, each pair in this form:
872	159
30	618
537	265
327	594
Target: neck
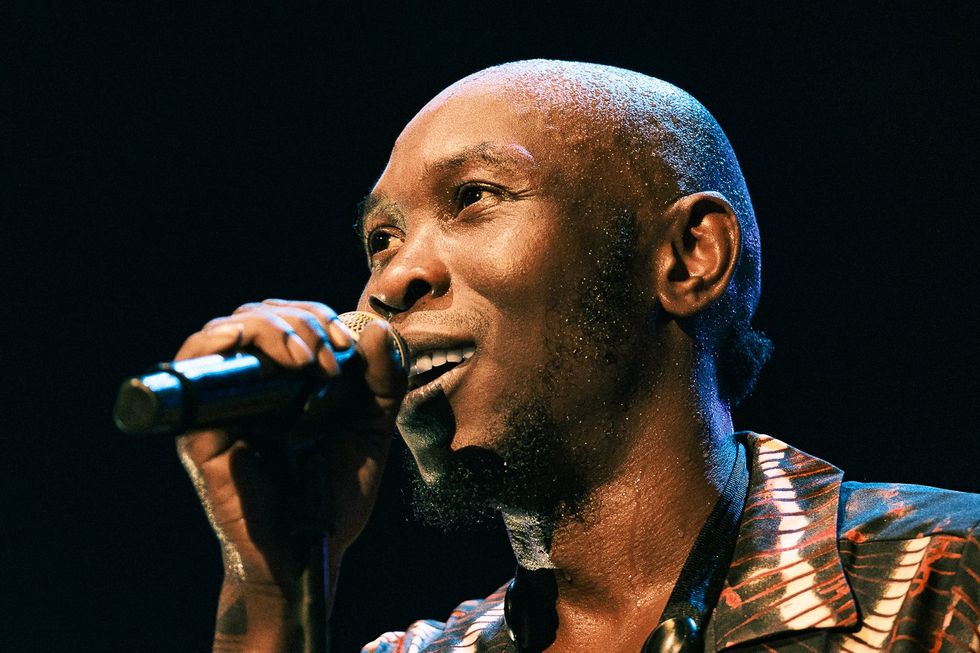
618	563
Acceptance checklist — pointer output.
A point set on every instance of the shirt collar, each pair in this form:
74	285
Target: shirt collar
786	574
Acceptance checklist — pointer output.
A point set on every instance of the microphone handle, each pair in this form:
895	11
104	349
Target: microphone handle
219	390
210	391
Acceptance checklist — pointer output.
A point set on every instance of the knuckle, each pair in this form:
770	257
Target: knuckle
278	321
210	324
246	308
324	310
313	324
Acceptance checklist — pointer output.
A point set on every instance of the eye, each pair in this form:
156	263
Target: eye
471	194
382	240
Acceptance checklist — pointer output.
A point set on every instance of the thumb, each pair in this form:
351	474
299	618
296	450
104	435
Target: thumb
386	374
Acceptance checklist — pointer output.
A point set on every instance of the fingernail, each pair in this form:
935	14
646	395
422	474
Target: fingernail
328	362
298	349
340	335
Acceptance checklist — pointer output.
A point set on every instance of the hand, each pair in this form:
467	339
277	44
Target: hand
242	477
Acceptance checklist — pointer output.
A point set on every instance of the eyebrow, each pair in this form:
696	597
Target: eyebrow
370	204
494	155
490	154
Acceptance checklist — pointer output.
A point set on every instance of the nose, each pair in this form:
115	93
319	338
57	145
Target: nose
415	276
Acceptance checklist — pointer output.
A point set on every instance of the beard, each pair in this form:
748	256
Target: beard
535	469
531	471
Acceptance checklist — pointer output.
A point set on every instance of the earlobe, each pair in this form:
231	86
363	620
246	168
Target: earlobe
698	255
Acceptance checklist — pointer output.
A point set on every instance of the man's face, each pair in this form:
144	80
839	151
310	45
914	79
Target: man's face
485	249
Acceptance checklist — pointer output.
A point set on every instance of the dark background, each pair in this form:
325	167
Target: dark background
173	161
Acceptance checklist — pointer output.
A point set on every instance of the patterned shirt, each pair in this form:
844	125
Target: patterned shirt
819	565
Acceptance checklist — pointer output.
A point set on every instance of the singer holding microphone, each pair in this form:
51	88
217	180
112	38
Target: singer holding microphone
570	253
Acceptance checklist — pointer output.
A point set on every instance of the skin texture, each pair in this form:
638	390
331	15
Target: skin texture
586	229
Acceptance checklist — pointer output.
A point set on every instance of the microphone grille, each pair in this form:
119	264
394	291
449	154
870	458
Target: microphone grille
357	320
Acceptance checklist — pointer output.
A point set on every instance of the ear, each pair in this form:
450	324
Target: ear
697	257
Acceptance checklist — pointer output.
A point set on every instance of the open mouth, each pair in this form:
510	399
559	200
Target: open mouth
429	365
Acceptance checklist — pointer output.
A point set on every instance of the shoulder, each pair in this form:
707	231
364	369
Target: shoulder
893	511
911	557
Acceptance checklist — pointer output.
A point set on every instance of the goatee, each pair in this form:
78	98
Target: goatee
531	473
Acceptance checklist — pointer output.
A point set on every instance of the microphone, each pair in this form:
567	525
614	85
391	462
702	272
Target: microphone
219	390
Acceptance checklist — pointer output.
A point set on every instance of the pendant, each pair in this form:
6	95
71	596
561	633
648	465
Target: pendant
677	635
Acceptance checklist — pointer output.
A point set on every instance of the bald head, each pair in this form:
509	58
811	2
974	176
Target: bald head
641	141
631	133
591	144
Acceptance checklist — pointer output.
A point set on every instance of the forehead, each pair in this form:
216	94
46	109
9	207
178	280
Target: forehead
475	125
501	132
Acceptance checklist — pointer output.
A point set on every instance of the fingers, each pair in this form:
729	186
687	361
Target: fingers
199	447
340	335
314	323
292	334
385	375
268	332
299	334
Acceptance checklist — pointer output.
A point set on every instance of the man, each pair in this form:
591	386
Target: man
571	254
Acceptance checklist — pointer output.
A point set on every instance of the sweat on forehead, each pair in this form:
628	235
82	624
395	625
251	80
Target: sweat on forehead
658	131
650	134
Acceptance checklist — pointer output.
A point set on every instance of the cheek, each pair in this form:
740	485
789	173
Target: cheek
514	265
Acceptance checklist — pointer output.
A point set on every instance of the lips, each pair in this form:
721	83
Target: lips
428	365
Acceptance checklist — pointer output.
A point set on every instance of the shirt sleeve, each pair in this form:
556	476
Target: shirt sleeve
418	635
474	626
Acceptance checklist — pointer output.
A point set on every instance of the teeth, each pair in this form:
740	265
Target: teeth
425	362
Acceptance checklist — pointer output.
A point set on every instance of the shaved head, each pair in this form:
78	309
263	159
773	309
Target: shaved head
638	141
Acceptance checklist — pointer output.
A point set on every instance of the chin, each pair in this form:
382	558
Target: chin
462	493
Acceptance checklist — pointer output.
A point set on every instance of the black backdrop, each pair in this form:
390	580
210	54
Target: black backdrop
172	162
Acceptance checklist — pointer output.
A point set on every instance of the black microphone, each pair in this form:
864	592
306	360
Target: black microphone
219	390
